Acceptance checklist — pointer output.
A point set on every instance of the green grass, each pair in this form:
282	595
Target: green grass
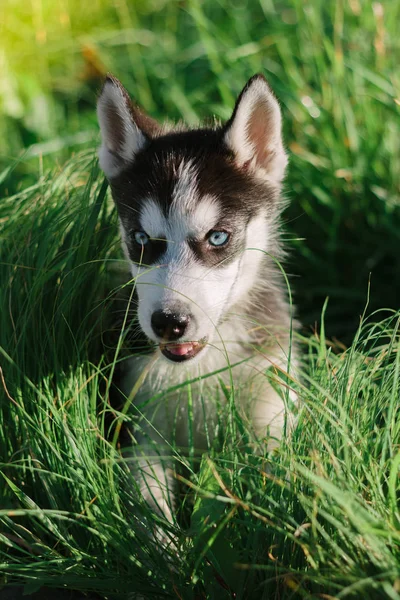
333	66
320	517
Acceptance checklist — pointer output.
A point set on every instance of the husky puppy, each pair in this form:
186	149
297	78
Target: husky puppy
199	219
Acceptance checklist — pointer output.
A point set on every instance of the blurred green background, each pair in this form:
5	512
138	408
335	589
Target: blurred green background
333	65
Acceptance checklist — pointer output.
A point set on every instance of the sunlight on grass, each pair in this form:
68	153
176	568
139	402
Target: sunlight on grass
318	517
332	65
318	514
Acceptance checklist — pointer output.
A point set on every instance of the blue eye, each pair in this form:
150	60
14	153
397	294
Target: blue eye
218	238
141	238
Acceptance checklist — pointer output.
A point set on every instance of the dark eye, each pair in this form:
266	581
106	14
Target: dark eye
218	238
141	238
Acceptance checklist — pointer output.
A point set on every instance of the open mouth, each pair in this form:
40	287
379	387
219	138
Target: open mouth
182	352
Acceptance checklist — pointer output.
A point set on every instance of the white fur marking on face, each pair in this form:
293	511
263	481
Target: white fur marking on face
206	215
192	220
152	220
121	143
185	219
191	215
184	194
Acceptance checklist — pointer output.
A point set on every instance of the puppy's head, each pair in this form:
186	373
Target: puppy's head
193	207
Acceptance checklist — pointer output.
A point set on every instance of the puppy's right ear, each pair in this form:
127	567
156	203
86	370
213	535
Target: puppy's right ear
125	129
253	133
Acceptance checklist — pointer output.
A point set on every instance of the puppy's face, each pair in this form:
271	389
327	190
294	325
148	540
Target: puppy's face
194	208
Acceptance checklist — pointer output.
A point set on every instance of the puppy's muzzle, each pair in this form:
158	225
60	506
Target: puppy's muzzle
170	326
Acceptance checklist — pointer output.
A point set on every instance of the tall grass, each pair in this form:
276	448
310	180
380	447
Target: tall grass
333	66
319	517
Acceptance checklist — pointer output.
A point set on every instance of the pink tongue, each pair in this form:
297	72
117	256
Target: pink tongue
180	349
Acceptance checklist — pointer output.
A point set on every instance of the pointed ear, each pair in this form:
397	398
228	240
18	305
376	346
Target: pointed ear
125	129
253	132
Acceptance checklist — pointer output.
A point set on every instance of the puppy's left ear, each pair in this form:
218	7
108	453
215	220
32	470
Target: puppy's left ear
254	134
125	128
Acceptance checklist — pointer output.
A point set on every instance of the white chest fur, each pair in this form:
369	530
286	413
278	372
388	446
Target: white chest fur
180	404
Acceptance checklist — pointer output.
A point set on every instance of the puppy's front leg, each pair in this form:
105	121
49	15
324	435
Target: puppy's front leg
154	475
268	412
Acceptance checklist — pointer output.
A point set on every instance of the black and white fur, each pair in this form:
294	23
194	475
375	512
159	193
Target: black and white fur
215	305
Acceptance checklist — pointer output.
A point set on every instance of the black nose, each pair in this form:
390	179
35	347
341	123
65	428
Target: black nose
169	326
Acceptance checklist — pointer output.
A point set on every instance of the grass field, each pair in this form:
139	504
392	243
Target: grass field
317	519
